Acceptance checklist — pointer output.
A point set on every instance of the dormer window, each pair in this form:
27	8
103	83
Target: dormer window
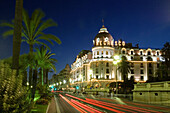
141	52
149	53
106	39
98	39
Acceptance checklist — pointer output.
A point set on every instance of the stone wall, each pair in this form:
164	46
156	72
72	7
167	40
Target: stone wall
153	93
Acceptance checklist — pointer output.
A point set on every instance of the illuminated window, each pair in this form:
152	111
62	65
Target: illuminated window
106	52
106	39
97	52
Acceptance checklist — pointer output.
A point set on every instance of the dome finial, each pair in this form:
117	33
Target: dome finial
103	22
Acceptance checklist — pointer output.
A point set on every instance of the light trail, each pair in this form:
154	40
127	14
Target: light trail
156	107
114	110
87	108
79	109
124	106
109	105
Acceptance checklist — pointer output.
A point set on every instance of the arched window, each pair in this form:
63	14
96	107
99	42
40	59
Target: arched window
123	52
107	53
97	52
149	53
107	64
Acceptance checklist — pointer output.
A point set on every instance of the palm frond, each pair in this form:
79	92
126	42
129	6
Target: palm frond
8	33
46	24
7	24
45	38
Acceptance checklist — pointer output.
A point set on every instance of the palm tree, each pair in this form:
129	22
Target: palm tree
124	69
17	35
166	54
45	61
32	31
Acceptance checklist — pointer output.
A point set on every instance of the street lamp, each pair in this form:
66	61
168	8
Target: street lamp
116	60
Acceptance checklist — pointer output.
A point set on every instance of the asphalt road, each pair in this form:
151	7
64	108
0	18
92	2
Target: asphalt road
69	103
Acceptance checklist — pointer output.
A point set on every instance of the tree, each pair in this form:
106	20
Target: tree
124	69
45	61
32	31
17	34
166	54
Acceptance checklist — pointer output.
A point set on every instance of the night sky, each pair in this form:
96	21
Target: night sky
146	22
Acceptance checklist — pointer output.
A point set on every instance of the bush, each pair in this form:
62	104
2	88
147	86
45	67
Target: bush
13	96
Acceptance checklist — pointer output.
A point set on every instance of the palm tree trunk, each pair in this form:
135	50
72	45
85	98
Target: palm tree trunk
17	35
30	68
46	76
34	83
42	81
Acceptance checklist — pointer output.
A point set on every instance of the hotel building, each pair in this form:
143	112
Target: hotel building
95	68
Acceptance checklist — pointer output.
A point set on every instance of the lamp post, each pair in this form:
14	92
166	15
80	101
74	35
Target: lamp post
116	60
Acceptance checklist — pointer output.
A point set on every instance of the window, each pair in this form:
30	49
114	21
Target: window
140	93
157	53
156	94
149	53
157	65
107	76
96	70
97	64
141	78
107	70
131	58
97	76
97	52
141	52
141	71
141	65
150	71
131	52
141	58
123	52
132	71
106	52
107	64
150	65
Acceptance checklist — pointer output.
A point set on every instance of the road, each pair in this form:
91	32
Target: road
69	103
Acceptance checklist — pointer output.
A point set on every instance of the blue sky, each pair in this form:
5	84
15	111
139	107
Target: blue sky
146	22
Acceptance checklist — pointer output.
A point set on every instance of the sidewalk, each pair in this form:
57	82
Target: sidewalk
52	106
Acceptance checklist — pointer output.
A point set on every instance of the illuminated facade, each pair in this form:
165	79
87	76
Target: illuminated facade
96	68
